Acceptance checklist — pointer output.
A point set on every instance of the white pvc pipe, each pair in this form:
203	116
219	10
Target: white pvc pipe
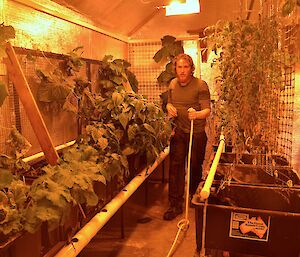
41	154
204	194
189	171
84	236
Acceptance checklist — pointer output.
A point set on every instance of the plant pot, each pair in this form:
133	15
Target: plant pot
136	162
250	219
27	245
255	159
245	173
250	168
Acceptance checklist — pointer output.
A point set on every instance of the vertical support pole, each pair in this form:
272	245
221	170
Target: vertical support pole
122	222
18	78
163	172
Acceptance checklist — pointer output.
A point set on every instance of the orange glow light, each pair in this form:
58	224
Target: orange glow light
177	8
36	26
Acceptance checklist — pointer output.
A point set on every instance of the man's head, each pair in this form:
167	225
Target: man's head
184	68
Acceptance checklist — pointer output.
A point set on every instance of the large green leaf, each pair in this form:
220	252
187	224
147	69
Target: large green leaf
149	128
117	79
124	118
6	33
170	68
107	58
165	77
142	116
139	105
122	63
103	143
177	48
167	40
128	150
46	212
6	178
117	98
70	106
131	132
114	168
132	80
91	198
59	92
159	55
18	142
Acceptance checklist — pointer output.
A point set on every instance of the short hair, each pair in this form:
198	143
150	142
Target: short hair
185	57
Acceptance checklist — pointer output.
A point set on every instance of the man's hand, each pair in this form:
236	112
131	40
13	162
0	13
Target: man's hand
192	114
172	111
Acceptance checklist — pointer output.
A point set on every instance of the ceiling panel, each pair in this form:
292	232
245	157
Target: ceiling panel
141	19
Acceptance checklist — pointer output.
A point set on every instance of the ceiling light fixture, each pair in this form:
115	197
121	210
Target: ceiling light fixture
177	8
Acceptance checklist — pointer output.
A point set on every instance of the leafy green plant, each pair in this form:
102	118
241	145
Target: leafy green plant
18	143
135	125
105	139
57	88
73	62
119	123
169	50
13	191
62	186
13	204
115	72
251	73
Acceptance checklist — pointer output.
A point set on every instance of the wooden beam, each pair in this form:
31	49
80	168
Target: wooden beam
18	78
143	22
250	9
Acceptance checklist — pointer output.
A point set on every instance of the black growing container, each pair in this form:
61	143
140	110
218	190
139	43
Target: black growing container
258	169
250	219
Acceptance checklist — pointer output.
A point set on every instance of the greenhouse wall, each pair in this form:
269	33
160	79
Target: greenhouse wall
46	27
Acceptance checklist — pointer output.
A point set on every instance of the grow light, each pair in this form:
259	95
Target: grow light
177	8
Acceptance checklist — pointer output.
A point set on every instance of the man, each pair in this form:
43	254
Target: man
185	92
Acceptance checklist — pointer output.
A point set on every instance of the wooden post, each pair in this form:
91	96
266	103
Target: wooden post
17	77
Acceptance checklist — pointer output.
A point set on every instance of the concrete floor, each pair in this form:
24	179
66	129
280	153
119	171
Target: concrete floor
146	234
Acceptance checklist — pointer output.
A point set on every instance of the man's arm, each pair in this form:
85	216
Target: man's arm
172	111
197	115
204	101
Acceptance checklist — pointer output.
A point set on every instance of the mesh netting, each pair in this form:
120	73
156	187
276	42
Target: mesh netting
256	104
286	99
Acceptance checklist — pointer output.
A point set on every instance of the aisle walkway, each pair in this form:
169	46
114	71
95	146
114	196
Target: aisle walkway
146	233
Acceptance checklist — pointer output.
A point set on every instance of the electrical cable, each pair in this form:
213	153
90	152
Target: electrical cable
183	224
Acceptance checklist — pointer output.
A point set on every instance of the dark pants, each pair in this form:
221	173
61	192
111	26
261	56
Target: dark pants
178	156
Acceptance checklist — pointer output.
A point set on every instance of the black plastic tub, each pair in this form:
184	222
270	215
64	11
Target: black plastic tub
250	219
250	168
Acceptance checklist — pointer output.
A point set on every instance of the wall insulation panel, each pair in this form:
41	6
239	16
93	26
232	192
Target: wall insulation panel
38	29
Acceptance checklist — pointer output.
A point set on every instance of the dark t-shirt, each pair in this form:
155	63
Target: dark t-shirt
193	95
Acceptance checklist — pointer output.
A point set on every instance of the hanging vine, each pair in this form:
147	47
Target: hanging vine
251	74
